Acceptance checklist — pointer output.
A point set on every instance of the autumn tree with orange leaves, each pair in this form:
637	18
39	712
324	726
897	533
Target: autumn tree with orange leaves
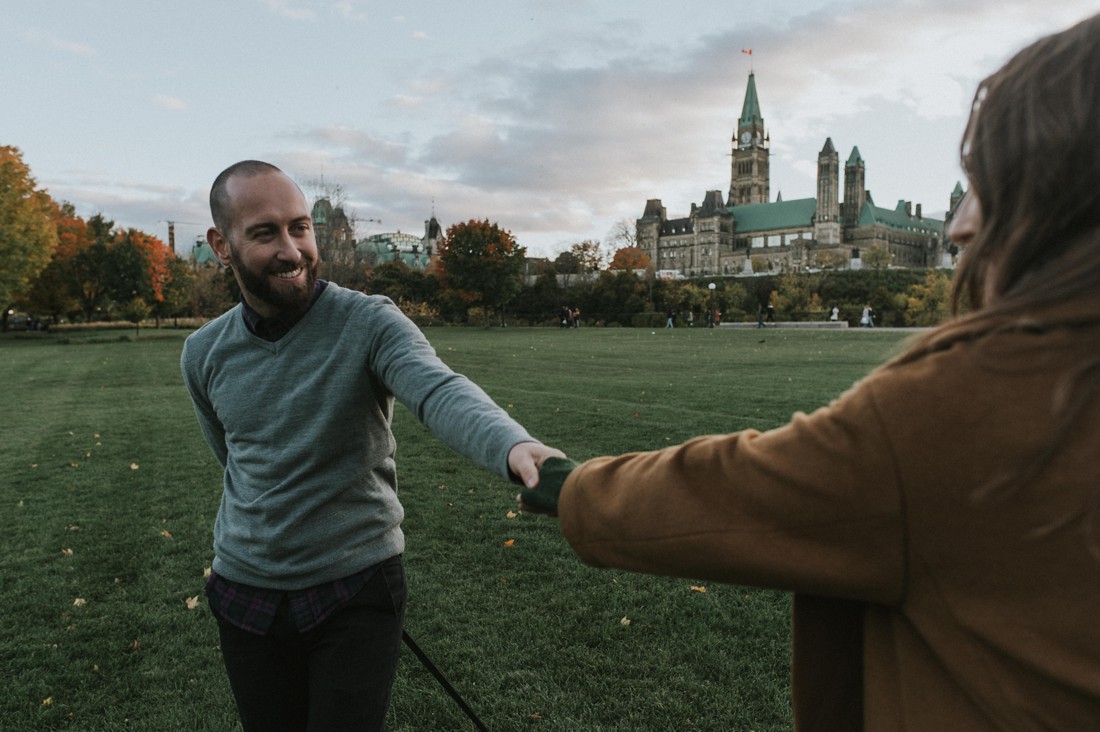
629	258
483	264
97	268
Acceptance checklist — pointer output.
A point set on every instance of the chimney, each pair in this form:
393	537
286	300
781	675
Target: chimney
918	211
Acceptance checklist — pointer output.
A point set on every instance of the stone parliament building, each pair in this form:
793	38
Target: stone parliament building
747	232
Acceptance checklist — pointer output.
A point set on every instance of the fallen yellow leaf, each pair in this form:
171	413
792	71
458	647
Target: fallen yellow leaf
510	542
206	572
47	701
67	552
133	466
192	602
511	514
696	588
79	602
624	621
166	534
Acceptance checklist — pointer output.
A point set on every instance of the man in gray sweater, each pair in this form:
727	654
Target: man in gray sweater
294	392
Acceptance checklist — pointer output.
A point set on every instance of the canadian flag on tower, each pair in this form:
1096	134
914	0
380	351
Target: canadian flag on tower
747	50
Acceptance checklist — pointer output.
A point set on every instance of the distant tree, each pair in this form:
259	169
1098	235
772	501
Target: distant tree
176	291
135	310
623	234
90	278
126	269
928	303
542	300
397	281
51	293
829	259
588	256
210	295
618	297
629	258
28	233
566	264
877	257
157	258
482	263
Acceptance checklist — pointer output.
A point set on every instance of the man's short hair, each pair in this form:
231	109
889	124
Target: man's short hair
220	205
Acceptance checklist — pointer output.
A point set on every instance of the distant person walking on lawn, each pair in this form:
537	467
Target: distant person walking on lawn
939	523
294	392
867	319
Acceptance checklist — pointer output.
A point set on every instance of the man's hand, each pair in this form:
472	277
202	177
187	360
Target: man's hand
544	499
525	459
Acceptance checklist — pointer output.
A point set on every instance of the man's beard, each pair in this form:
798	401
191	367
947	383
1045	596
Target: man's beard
284	300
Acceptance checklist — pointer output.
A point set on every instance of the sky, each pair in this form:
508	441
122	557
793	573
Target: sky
555	119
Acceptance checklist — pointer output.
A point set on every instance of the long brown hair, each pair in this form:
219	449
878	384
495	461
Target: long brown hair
1032	155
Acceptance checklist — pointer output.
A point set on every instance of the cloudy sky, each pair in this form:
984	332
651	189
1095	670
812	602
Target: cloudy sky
555	119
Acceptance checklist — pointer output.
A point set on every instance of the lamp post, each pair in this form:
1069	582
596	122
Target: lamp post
711	287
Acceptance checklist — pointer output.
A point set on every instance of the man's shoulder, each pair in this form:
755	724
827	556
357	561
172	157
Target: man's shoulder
211	330
348	301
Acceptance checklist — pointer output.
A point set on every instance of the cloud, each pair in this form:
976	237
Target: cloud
60	44
348	10
170	103
283	9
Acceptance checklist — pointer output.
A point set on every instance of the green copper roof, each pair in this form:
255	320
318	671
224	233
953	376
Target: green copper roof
201	253
798	213
322	209
854	158
897	219
750	112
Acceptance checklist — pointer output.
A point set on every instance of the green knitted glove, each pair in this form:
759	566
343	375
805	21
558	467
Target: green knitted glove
552	475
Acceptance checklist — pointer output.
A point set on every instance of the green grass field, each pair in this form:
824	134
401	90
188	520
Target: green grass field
108	499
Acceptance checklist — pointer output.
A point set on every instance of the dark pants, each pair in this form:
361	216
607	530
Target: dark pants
336	676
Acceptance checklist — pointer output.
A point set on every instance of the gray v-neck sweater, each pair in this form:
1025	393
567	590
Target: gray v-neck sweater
302	428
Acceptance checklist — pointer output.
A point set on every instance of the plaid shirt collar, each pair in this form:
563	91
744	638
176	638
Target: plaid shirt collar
277	326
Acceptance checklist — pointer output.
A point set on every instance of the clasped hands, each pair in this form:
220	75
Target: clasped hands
543	471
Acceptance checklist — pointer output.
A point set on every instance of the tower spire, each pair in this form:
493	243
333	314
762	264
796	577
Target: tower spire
749	171
750	111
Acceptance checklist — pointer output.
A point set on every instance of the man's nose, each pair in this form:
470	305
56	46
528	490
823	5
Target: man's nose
288	247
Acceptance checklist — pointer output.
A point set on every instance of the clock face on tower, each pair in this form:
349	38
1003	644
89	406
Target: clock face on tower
746	136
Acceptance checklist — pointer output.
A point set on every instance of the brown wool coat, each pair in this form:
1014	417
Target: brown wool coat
920	604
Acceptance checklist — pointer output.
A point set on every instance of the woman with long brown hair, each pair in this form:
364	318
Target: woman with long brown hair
938	522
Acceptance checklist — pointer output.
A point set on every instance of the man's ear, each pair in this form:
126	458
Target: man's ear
220	246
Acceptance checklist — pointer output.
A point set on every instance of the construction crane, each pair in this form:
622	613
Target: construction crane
172	230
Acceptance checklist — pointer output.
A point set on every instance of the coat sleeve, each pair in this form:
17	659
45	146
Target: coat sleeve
813	506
